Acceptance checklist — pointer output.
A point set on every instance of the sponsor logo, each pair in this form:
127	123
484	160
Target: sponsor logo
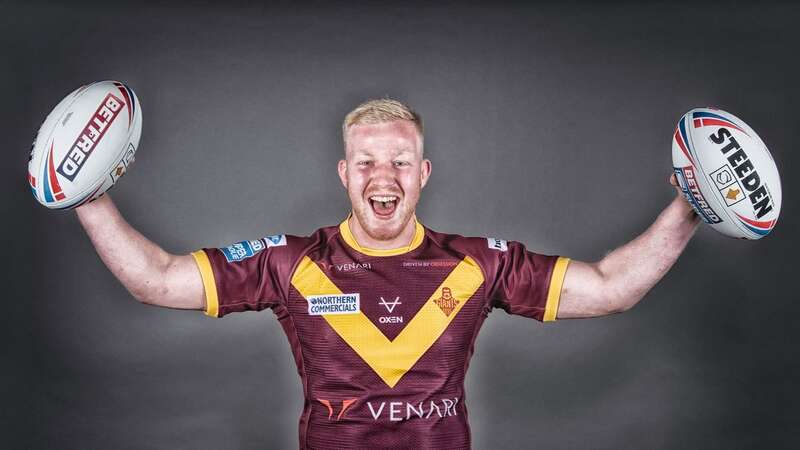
276	240
333	304
745	171
688	183
497	244
400	411
447	303
242	250
345	267
390	306
346	403
87	140
430	264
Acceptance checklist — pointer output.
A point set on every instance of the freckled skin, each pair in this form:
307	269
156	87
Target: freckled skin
384	158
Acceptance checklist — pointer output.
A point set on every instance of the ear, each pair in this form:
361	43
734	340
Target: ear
342	169
425	172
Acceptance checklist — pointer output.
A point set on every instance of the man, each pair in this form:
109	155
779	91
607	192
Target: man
381	312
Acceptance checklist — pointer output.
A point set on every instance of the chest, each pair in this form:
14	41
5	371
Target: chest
390	293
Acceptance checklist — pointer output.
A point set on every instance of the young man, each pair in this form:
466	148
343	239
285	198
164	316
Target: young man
381	312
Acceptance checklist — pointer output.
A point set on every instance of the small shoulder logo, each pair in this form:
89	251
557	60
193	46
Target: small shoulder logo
447	303
497	244
277	240
242	250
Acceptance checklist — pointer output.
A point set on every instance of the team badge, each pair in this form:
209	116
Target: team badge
447	303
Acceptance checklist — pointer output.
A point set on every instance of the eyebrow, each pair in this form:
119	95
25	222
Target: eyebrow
366	152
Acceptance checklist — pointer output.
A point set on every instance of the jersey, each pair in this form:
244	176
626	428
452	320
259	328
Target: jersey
382	338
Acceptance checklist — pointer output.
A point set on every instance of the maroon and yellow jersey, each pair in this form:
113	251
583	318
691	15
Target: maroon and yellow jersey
382	338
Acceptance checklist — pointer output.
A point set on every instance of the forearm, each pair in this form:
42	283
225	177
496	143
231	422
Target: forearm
630	271
140	265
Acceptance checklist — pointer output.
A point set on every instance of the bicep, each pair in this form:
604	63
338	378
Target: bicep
183	285
584	292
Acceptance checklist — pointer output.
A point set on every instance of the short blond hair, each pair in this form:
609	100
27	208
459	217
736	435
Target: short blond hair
378	111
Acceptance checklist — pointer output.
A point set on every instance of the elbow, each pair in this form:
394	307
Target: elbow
152	289
618	299
150	295
621	303
619	295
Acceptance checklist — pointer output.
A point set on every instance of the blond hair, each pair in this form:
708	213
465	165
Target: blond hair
379	111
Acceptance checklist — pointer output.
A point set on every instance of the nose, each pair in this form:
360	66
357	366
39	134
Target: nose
384	172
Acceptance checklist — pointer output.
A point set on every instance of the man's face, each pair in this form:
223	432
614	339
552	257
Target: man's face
384	173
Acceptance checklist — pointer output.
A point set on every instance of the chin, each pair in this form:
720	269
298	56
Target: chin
382	229
384	232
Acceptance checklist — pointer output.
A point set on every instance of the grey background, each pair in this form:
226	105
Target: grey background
547	124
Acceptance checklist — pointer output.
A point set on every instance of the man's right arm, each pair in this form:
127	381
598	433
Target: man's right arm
151	274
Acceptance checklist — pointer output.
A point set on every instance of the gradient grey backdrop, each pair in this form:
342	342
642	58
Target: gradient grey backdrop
546	124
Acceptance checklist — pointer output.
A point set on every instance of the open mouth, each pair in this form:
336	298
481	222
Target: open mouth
383	205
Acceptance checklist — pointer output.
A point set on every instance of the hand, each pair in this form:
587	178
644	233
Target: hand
673	180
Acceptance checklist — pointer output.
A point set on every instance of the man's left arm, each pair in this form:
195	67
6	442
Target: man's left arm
618	281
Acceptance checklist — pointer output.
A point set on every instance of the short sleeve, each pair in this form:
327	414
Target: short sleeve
246	276
525	283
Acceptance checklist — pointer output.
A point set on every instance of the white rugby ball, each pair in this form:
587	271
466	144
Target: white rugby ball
726	173
85	144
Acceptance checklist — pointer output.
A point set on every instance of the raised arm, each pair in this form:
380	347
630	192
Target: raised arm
618	281
151	274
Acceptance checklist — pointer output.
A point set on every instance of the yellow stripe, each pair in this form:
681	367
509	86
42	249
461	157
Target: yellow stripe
392	359
554	292
347	235
210	287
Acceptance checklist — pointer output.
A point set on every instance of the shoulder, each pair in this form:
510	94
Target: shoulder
484	250
299	246
278	247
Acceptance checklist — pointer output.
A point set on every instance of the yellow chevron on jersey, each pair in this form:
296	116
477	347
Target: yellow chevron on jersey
392	359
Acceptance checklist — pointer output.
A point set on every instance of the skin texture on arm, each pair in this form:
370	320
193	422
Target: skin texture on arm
619	280
149	273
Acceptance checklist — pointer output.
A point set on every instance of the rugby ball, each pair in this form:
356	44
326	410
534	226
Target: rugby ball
726	173
85	145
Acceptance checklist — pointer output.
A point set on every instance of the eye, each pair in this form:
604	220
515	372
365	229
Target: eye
364	163
401	163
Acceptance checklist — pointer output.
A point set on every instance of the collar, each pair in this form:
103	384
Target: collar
350	240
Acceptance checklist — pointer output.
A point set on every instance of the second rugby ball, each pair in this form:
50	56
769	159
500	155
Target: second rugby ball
726	173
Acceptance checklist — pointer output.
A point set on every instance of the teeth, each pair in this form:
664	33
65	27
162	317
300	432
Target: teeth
383	198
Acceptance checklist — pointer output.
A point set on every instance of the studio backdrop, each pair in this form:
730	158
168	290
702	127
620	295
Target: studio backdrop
547	124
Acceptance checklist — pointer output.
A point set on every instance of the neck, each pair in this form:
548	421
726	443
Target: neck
365	240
